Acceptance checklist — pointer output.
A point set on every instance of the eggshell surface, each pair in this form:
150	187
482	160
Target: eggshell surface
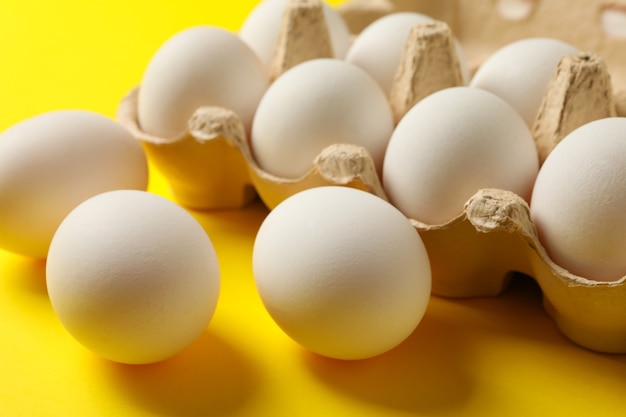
579	201
451	144
342	272
316	104
262	27
200	66
520	73
51	163
379	47
132	276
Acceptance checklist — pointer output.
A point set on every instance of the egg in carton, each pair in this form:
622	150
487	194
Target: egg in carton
212	166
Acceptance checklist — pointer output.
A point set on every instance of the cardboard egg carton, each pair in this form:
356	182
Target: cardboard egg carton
212	165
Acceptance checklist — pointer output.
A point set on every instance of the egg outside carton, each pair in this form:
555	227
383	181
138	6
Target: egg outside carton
212	166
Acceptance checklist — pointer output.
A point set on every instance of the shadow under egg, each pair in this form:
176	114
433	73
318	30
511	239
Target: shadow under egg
424	374
23	274
211	377
232	223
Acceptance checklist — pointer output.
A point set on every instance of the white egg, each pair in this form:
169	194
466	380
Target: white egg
342	272
132	276
579	201
51	163
262	26
520	73
378	48
200	66
451	144
316	104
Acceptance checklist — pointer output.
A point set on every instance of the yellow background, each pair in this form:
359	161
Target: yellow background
482	357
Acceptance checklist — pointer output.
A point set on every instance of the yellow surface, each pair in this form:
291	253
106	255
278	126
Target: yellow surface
483	357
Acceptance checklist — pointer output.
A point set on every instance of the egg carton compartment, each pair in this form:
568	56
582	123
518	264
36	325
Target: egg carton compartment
476	253
212	165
